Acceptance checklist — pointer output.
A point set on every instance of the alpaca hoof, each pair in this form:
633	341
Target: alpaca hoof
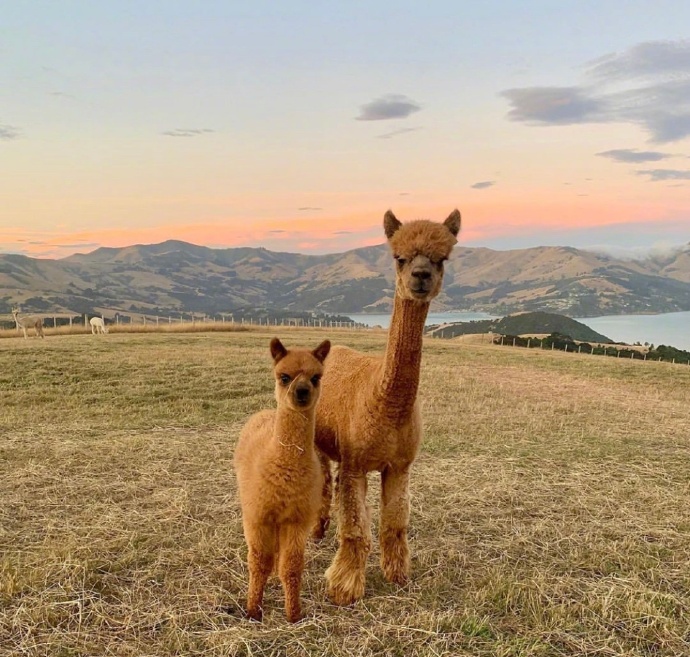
342	597
346	589
256	615
396	575
395	559
294	618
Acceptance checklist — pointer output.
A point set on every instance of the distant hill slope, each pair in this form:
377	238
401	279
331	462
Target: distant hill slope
523	324
176	276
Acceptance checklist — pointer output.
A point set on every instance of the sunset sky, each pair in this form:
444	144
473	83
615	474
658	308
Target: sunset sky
296	125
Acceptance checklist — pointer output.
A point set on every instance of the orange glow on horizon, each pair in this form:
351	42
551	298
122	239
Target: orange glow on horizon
485	217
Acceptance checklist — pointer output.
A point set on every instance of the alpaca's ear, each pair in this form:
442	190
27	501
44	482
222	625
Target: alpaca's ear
452	223
322	350
277	350
390	224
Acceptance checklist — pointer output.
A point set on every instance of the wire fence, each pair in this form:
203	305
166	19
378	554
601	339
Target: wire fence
195	321
232	322
662	354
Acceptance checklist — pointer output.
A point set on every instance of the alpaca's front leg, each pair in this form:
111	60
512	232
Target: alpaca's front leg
395	518
345	576
292	540
324	518
260	559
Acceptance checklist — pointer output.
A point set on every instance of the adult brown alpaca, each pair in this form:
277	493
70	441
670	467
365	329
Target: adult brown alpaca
280	477
36	323
368	418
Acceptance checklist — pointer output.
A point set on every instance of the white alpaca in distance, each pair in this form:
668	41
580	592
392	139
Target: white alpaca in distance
98	325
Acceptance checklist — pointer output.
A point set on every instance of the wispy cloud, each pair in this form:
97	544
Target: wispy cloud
656	175
396	133
391	106
644	60
9	132
552	106
187	132
630	155
647	85
658	250
308	208
483	184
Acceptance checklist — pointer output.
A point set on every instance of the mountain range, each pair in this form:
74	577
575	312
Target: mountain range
176	276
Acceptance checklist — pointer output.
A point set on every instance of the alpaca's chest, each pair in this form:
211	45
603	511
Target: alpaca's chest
375	441
289	491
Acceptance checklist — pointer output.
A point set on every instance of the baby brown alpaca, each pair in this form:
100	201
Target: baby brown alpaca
280	477
368	418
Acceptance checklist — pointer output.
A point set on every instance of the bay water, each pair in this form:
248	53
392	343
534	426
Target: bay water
671	329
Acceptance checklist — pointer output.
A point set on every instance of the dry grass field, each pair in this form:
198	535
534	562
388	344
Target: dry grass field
550	504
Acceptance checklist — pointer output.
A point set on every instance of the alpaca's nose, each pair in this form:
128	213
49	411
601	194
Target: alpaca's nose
302	393
421	274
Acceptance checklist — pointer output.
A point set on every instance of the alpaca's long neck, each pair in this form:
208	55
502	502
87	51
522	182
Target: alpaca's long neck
293	432
401	366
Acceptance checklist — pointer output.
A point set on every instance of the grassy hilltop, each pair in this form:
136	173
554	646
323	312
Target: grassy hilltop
550	509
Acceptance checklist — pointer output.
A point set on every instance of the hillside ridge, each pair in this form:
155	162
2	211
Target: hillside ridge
176	276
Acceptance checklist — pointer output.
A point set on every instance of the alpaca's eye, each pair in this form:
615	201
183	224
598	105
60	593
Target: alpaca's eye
315	380
400	260
284	379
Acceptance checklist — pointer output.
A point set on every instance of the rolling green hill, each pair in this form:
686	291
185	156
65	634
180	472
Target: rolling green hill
522	324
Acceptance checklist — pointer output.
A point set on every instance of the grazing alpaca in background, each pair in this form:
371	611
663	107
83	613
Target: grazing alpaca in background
28	322
368	418
280	478
98	325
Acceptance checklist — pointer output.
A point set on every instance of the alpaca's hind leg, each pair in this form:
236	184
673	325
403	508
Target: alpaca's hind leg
260	559
395	518
345	576
292	540
324	518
